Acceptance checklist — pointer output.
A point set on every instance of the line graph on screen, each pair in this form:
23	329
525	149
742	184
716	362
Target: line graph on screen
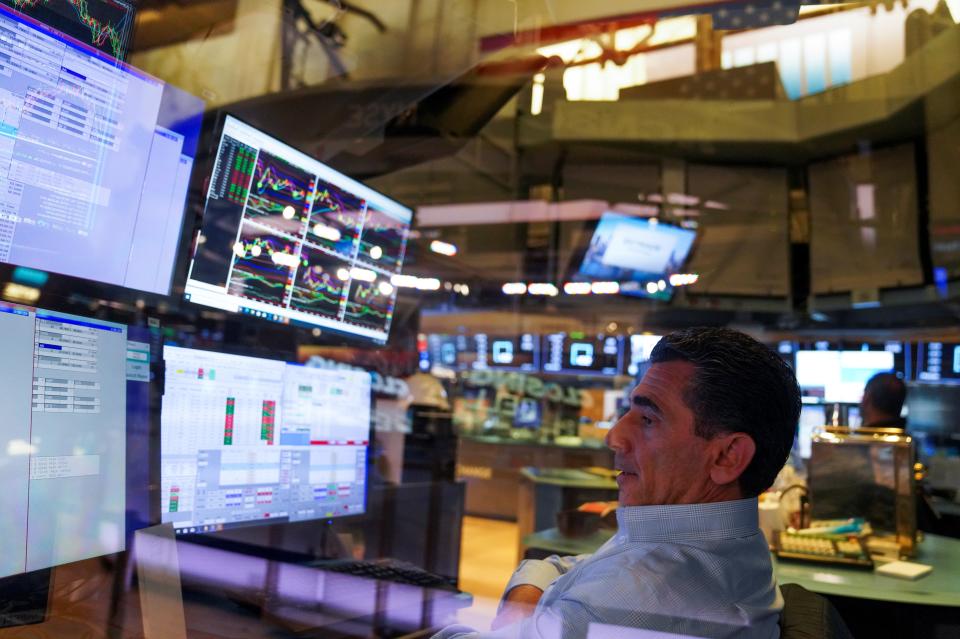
262	263
280	195
383	240
320	282
369	304
104	24
335	222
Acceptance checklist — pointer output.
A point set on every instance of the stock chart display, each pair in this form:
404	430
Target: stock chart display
103	24
289	239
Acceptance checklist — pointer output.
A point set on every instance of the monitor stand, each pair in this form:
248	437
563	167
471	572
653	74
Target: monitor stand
24	599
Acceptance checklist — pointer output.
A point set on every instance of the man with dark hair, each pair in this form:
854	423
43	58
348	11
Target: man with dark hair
710	425
882	402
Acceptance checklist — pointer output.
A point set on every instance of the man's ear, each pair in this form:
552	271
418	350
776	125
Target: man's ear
733	452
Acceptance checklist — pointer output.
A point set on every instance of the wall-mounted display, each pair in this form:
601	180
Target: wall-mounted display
288	239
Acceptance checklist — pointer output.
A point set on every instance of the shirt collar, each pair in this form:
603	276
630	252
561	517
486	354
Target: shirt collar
690	522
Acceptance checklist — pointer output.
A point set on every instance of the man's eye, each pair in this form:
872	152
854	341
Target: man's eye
646	420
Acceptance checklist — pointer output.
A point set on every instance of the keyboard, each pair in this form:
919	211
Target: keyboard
848	551
386	570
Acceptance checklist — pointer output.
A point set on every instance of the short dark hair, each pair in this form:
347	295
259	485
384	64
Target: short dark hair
886	392
742	386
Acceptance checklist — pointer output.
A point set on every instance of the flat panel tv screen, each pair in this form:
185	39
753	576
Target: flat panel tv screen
840	376
636	250
583	354
288	239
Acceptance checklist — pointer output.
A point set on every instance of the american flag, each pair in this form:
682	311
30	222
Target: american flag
751	14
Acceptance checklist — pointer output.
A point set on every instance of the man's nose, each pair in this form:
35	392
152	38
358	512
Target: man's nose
615	440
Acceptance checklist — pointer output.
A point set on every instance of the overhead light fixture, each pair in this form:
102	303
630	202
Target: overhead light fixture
514	288
683	279
21	293
577	288
443	248
605	288
428	284
284	259
543	289
403	281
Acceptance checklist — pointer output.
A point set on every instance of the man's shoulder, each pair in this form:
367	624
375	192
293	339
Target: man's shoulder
664	564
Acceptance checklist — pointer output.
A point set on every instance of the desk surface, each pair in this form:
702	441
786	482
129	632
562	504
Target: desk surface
567	478
940	588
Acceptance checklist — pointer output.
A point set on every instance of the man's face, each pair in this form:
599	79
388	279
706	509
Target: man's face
661	459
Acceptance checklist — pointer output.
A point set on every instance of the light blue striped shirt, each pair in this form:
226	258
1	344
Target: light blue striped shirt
694	570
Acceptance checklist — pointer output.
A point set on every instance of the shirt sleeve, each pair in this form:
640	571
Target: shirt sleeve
544	624
541	572
531	572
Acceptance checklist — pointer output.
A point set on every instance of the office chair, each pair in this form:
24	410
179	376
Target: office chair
807	615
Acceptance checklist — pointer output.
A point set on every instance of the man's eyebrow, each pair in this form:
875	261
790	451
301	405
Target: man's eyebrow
642	401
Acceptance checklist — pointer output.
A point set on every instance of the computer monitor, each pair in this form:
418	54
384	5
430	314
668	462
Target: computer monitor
245	440
938	362
529	413
934	409
812	417
439	351
105	25
636	252
853	417
640	348
840	376
288	239
583	354
97	160
63	391
506	352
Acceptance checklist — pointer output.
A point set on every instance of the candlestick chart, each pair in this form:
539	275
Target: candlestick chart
368	305
104	24
383	240
318	287
280	194
336	219
261	266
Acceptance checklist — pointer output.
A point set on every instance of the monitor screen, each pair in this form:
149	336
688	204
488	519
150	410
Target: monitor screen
529	413
105	25
935	409
245	440
854	480
640	348
853	418
504	352
584	354
288	239
811	418
839	376
96	161
63	382
438	351
636	250
938	362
